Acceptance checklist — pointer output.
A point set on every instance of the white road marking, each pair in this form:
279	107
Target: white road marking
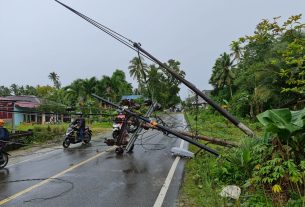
53	149
163	191
4	201
33	158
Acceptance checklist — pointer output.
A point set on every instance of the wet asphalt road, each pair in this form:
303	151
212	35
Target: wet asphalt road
94	175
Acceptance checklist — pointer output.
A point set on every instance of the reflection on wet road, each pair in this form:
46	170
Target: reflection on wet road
88	175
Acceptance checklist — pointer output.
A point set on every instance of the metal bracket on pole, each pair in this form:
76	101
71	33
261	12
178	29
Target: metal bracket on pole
139	130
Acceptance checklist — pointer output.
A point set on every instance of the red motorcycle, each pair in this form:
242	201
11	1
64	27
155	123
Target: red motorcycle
117	125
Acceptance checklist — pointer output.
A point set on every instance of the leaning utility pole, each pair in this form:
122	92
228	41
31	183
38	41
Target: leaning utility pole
136	47
226	114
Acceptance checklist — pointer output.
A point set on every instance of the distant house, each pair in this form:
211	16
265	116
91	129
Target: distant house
131	97
22	106
20	109
201	102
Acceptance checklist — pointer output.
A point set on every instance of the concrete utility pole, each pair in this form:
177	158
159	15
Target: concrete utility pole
223	112
137	47
13	118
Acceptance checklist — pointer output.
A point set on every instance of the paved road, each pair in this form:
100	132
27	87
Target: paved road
93	175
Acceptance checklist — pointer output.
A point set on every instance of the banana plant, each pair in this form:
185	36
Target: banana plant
288	127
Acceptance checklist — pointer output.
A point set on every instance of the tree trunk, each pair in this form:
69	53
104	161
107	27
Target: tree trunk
43	121
231	93
251	111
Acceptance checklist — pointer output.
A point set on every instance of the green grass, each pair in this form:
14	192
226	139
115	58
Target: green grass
202	181
50	133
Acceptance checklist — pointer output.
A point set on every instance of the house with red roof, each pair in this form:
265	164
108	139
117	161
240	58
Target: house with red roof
21	109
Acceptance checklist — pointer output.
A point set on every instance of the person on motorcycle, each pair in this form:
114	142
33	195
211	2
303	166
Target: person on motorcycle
80	122
4	136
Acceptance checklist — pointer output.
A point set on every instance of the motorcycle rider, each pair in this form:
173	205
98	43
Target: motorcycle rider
80	122
4	136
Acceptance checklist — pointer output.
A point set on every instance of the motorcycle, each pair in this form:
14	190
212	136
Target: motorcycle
3	156
72	136
129	124
117	125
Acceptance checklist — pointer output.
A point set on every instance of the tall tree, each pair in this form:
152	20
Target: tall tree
121	86
237	51
15	89
138	69
55	78
4	91
222	74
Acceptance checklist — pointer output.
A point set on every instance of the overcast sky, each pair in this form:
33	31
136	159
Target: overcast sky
40	36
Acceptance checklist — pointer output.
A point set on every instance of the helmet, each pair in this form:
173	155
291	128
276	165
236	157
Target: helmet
1	122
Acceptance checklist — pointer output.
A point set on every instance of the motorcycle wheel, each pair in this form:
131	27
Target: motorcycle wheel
87	138
132	124
66	143
3	160
115	134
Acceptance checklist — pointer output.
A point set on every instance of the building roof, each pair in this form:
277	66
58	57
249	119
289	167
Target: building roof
26	104
200	99
131	97
32	99
23	101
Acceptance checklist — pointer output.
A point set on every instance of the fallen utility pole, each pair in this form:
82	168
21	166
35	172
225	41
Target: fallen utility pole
135	135
136	46
212	140
226	114
159	127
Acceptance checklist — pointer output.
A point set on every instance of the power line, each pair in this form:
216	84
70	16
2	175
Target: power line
137	47
124	40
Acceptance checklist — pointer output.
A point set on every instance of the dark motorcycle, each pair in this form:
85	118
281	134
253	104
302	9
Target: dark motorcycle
72	136
3	156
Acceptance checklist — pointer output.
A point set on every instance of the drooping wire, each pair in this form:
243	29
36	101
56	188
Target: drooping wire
196	116
124	40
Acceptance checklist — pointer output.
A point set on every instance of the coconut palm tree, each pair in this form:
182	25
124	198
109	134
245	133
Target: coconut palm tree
55	78
138	69
222	75
237	51
15	89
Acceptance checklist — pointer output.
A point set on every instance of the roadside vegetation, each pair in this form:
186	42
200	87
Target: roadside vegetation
153	84
269	168
261	81
76	97
263	84
52	133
